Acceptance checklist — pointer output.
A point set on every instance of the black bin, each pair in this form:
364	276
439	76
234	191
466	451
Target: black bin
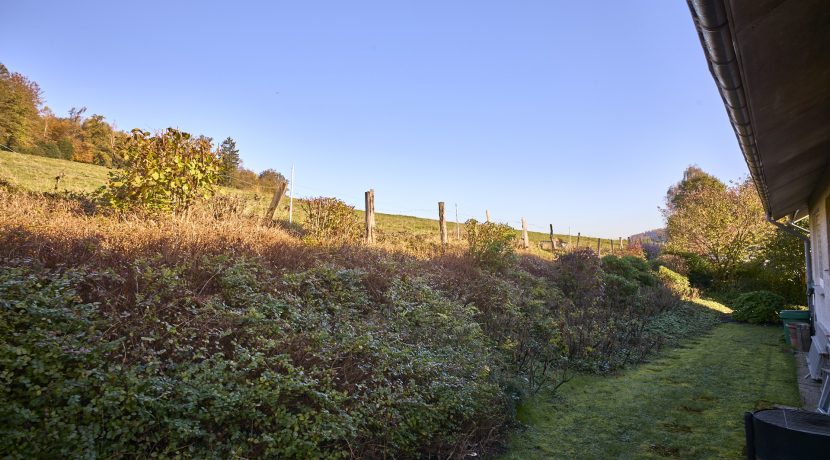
787	434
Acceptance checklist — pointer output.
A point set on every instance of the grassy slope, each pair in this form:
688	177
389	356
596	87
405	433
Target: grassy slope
38	174
689	403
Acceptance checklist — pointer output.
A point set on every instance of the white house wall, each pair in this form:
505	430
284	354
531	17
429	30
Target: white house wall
820	241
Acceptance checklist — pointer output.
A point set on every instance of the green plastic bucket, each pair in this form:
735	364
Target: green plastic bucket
793	316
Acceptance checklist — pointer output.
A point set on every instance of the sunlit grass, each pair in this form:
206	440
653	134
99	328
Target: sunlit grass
712	305
38	174
687	404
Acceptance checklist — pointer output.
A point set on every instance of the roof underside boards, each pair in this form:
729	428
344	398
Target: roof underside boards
771	62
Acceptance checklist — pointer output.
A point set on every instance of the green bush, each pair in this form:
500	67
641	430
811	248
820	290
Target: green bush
492	246
165	172
673	262
330	220
618	287
700	272
758	307
678	283
578	274
315	371
629	267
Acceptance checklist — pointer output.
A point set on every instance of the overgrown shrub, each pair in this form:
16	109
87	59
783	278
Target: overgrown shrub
223	207
778	267
673	262
700	272
220	338
330	220
619	288
492	246
629	267
578	274
165	172
678	283
758	307
313	371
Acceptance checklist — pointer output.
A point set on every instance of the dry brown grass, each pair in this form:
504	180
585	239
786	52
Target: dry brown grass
61	231
58	231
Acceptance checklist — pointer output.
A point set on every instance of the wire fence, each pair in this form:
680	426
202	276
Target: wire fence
456	214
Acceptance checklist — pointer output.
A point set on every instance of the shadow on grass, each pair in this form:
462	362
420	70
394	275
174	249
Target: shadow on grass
687	403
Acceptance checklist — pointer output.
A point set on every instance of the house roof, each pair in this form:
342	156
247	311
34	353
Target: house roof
771	62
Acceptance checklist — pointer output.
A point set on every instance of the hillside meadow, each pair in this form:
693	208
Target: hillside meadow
38	174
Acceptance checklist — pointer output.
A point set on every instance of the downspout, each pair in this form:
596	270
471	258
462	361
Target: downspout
808	261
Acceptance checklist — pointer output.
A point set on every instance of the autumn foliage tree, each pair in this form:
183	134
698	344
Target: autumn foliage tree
724	224
19	102
28	126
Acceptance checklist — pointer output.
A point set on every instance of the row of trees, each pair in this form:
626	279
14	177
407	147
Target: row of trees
29	126
720	232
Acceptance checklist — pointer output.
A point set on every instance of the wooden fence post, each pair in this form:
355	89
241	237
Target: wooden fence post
457	225
552	239
619	245
525	240
442	224
578	235
275	201
599	241
487	214
612	245
370	216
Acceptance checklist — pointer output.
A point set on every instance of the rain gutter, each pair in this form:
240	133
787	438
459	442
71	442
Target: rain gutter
711	18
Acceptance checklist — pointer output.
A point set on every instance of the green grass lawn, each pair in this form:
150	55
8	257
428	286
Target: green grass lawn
38	174
688	403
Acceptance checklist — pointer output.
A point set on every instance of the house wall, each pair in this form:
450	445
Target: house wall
819	206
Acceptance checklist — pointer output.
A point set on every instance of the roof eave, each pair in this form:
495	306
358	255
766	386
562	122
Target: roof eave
711	18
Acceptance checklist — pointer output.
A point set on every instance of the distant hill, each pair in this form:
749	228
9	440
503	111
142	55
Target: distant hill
658	235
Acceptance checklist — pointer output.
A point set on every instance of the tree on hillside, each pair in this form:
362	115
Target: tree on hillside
229	156
723	224
20	99
244	178
28	127
269	179
97	137
694	178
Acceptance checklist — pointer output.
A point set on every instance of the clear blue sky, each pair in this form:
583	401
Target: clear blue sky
579	114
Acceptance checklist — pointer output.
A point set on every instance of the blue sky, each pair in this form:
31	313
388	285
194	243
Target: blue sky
579	114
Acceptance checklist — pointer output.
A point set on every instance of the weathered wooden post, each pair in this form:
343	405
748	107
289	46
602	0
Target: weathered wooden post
552	239
578	235
442	224
487	215
457	225
619	246
291	197
275	201
525	240
599	241
612	245
370	216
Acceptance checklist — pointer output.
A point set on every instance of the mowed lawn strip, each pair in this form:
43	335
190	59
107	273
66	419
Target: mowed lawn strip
689	403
